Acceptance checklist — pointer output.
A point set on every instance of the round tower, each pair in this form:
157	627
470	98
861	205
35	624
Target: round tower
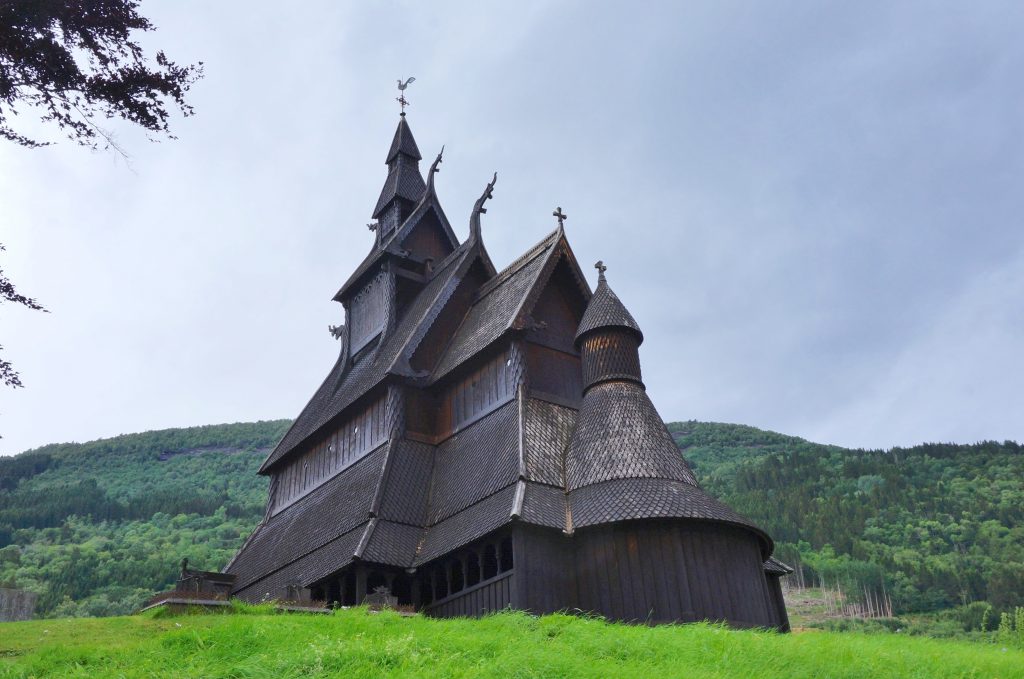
635	508
608	339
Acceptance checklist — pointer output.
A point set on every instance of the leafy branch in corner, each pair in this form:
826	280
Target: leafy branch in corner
8	293
76	63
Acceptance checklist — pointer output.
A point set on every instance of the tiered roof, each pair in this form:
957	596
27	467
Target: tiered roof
530	460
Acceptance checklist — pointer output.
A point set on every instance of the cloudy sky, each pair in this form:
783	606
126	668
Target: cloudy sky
814	212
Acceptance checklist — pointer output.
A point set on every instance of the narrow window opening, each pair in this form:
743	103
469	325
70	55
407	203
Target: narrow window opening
506	555
472	569
426	590
374	580
490	562
440	583
458	581
349	589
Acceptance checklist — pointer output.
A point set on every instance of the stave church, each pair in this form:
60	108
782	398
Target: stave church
484	441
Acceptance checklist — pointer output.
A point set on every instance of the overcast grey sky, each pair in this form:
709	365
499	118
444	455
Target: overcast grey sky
813	211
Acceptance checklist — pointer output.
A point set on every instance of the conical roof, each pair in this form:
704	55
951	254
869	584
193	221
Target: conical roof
404	178
403	142
606	310
619	435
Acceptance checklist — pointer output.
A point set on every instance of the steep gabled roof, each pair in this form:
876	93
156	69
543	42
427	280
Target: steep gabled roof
299	530
346	384
392	243
504	302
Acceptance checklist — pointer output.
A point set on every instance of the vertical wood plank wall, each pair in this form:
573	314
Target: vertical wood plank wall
332	453
545	573
638	571
665	571
367	311
490	595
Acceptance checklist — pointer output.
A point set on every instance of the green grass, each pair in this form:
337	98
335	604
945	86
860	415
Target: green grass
254	642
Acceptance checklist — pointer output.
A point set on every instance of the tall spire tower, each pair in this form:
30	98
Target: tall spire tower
404	186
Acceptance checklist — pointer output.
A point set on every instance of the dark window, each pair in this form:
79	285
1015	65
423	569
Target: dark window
506	555
458	581
334	593
472	569
401	587
374	580
348	596
426	590
490	562
440	583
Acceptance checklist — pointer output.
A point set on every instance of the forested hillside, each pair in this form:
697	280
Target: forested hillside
935	526
95	528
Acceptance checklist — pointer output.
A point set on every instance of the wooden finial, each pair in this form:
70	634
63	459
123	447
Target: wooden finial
479	209
601	268
561	216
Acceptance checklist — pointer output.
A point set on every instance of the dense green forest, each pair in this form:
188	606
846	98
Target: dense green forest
934	526
96	528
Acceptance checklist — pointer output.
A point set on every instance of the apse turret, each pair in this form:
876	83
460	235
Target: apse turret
608	338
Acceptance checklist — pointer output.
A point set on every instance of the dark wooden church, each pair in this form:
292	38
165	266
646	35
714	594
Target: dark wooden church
485	441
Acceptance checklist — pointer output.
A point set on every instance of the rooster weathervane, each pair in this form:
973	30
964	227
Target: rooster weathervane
401	92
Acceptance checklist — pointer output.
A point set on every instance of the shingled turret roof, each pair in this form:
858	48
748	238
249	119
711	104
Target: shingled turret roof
606	310
403	142
404	178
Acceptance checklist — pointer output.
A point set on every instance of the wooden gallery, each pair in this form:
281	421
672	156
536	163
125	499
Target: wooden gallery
485	441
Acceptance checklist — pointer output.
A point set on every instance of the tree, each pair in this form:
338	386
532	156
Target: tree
76	62
8	375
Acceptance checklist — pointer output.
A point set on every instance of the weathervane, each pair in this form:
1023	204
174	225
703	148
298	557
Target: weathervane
401	92
561	217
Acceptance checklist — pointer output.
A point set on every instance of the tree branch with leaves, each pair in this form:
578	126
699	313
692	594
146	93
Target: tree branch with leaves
76	63
8	293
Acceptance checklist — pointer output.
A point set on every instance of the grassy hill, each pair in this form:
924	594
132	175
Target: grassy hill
95	528
353	643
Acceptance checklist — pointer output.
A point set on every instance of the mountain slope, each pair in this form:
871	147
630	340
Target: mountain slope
935	525
95	528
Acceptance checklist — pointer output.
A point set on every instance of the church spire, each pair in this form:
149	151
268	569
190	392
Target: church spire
404	186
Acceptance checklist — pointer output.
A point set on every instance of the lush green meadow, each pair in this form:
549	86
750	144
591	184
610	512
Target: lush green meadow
255	642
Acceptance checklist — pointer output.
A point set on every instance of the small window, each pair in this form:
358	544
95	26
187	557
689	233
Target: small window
490	562
506	561
472	569
458	581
